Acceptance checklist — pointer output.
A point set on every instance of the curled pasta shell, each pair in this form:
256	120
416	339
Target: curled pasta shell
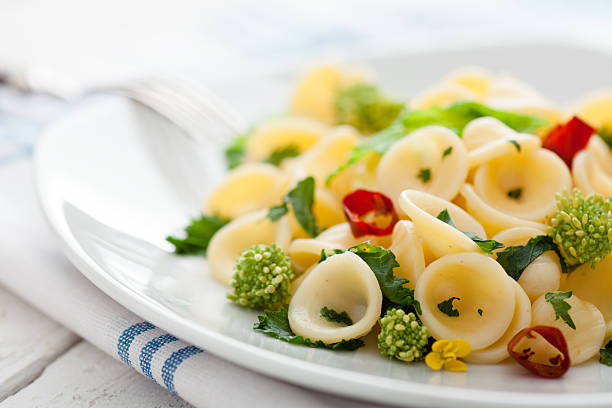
480	283
521	319
315	95
596	109
476	79
539	175
408	249
253	228
250	187
488	138
306	252
543	275
600	151
584	342
300	132
595	286
529	106
341	236
439	237
591	168
326	209
342	282
442	94
423	149
492	219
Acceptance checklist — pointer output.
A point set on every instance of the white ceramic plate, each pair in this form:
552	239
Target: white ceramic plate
114	179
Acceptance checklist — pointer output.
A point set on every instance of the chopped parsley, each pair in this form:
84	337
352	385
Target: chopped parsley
332	316
487	245
515	193
278	155
516	144
424	174
234	153
447	308
480	312
447	151
605	354
276	324
516	259
199	233
301	198
560	306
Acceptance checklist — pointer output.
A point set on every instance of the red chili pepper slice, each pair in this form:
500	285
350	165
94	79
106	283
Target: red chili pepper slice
567	140
554	366
369	213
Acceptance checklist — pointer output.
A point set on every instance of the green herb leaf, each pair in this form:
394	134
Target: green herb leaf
301	198
446	307
605	354
332	316
382	262
325	255
424	174
516	144
480	312
199	234
516	259
276	324
515	193
487	245
447	151
366	108
282	153
454	117
234	153
560	306
606	135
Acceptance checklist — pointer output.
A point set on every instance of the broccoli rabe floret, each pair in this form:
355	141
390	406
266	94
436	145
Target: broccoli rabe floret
402	336
261	278
366	108
582	227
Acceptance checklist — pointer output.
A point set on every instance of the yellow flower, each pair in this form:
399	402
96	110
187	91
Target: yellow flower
444	353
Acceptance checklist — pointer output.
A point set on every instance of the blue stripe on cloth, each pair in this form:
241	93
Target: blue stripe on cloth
127	337
147	352
174	361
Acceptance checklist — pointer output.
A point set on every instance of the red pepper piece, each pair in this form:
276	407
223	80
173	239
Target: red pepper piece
556	365
365	209
567	140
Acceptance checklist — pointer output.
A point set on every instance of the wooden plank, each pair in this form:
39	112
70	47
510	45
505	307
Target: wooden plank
86	377
29	341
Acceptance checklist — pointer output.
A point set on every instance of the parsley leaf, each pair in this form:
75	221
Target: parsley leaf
301	198
560	306
276	324
480	312
515	193
516	259
605	354
447	308
332	316
424	174
234	153
447	151
454	117
516	144
487	245
325	255
365	107
278	155
199	234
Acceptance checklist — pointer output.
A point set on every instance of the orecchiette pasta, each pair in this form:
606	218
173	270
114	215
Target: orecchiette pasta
476	79
442	95
592	168
479	283
408	249
342	282
403	165
583	342
596	109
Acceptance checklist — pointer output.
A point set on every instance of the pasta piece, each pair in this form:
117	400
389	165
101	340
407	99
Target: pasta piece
306	252
600	151
248	188
253	228
479	283
596	109
442	94
595	286
342	236
521	319
326	209
476	79
529	106
584	342
488	138
506	86
344	283
535	176
439	237
315	96
581	172
408	249
543	275
299	132
492	219
418	162
598	178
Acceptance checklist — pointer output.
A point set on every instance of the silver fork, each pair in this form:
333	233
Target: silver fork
192	107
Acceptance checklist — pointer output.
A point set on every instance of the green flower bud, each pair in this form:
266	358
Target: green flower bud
401	336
